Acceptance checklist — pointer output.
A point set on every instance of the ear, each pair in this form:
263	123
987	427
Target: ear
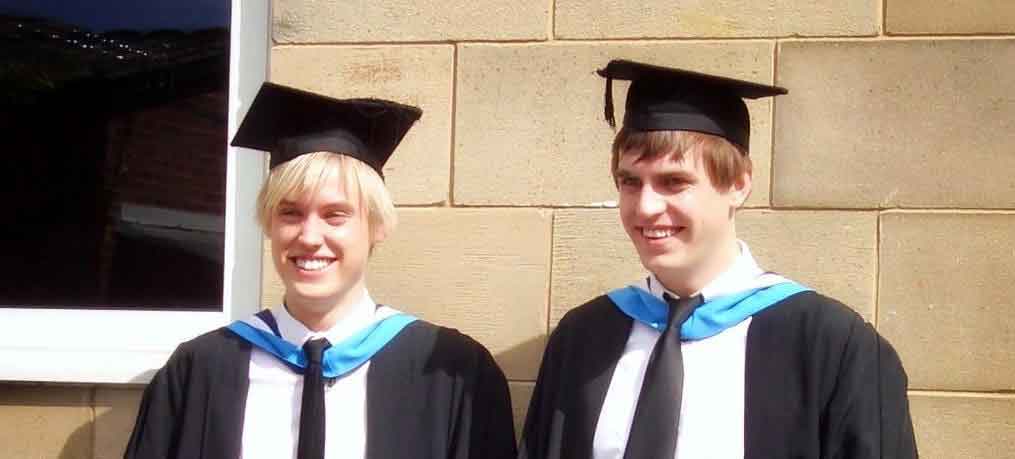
740	190
378	235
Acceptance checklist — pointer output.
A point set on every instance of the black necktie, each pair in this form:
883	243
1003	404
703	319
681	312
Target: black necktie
311	442
654	430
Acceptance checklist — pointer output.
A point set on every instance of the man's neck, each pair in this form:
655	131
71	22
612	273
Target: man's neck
687	283
320	316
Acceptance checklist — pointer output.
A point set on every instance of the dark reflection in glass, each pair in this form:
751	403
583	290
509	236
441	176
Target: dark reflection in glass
113	153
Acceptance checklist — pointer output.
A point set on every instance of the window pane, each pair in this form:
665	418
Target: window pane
114	116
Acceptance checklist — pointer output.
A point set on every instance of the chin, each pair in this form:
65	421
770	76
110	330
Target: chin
312	292
666	262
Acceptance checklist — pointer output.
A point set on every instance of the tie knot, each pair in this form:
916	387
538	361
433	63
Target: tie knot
680	308
315	349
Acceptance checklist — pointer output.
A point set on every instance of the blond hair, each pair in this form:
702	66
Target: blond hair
725	162
305	174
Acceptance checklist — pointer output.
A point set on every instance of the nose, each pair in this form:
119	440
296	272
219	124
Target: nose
311	232
650	203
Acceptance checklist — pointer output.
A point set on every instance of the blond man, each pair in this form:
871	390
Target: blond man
330	373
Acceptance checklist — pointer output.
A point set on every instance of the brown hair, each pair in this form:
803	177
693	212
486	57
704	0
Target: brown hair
724	161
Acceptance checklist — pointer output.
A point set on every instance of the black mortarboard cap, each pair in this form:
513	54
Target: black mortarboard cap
289	122
662	98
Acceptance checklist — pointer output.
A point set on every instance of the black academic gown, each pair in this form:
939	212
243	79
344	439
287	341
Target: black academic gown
820	383
432	392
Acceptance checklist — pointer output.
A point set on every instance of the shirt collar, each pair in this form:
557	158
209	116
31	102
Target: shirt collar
739	276
361	314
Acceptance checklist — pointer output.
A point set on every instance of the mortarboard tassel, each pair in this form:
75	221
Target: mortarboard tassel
608	105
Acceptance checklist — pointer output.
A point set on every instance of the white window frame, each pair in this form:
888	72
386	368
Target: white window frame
128	346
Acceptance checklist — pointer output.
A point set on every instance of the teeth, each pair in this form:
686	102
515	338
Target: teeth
312	264
658	233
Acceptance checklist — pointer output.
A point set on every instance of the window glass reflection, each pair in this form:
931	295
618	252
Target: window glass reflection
113	155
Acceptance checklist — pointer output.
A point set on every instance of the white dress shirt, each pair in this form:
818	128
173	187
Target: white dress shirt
272	419
712	411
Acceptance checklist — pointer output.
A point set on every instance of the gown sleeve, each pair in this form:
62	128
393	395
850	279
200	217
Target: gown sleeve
541	434
868	412
157	426
491	432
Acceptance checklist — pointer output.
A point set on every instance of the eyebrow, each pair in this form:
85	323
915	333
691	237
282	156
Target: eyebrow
681	174
621	174
344	206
